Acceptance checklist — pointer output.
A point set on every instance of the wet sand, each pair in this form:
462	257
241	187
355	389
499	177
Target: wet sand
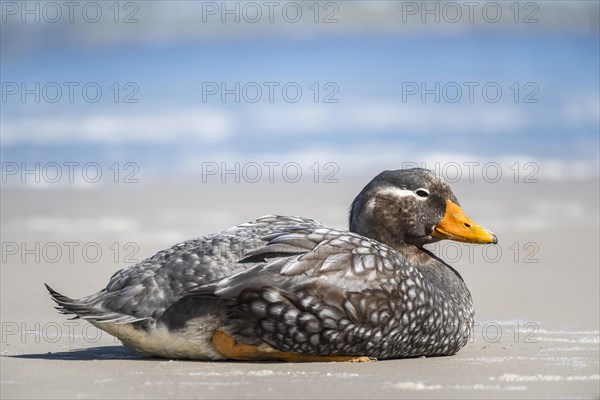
536	299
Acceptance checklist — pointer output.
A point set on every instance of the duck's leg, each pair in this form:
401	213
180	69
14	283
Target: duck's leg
228	347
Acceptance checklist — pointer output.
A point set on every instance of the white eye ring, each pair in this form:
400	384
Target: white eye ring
422	192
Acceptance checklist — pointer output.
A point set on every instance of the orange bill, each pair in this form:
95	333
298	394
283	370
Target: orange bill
457	226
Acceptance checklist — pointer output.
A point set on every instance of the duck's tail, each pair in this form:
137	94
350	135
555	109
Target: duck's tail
89	309
67	305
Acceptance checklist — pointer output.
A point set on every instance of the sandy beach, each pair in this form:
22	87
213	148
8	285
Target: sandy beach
536	294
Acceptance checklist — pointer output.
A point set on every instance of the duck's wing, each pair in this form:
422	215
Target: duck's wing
317	292
144	291
288	259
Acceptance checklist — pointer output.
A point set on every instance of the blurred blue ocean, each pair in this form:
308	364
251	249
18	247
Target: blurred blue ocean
362	80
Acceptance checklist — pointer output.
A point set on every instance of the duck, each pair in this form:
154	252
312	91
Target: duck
287	288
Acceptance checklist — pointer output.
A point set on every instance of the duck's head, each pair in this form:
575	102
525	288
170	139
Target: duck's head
412	207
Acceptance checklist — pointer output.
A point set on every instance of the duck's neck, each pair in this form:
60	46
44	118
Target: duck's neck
434	269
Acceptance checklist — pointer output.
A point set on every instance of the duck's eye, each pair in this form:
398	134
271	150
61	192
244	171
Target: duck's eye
422	192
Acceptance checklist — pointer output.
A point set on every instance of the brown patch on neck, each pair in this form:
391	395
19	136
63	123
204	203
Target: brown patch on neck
417	256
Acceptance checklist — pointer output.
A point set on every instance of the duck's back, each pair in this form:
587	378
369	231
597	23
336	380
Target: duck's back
145	290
